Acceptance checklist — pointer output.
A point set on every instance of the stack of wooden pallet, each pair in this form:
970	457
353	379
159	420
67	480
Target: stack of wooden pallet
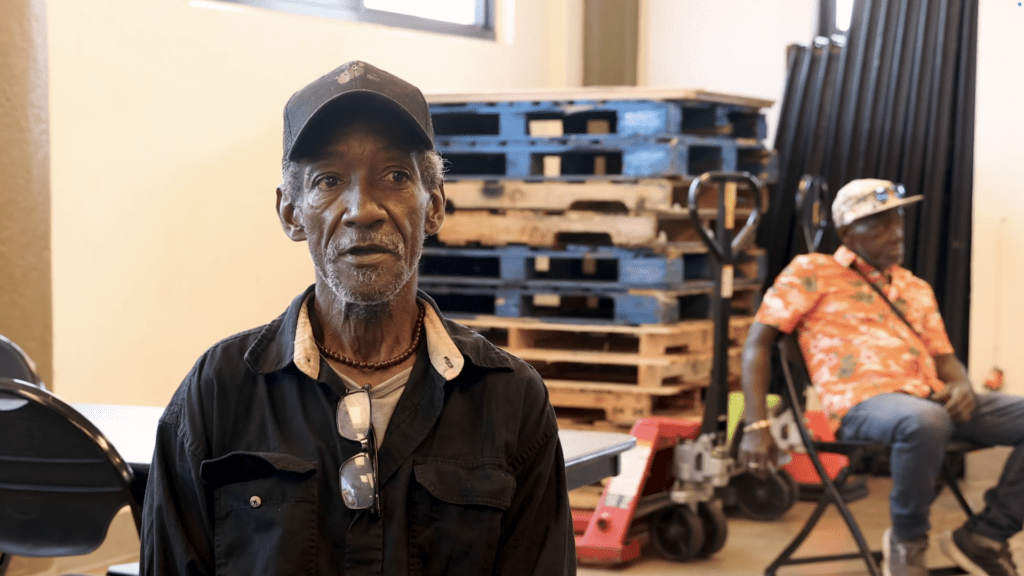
568	241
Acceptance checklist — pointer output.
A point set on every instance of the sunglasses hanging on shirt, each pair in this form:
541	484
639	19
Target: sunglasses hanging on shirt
358	474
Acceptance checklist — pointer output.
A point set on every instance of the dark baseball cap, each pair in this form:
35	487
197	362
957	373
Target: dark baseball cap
355	84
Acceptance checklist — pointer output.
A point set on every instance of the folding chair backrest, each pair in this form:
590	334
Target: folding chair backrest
14	363
61	482
795	370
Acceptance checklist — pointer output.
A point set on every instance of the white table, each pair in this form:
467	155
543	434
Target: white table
130	429
589	456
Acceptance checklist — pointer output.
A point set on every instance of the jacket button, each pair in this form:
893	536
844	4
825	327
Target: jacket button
255	501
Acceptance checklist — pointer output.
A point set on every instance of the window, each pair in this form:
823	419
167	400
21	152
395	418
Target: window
462	17
834	17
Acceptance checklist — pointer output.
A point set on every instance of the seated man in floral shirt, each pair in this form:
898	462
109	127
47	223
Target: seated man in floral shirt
877	351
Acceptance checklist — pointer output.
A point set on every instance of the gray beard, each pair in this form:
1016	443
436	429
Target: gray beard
374	305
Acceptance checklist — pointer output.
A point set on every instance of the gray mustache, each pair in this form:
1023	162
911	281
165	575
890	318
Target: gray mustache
389	242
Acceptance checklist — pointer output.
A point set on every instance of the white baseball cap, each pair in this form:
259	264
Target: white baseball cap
867	196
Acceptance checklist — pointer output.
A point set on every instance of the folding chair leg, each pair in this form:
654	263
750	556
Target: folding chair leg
950	477
830	495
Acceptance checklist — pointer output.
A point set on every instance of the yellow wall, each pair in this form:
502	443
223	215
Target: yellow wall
166	139
166	145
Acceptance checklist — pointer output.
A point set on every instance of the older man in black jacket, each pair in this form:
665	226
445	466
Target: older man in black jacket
359	432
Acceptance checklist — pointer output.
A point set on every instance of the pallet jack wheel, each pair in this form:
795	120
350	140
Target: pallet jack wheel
716	527
677	532
794	487
765	499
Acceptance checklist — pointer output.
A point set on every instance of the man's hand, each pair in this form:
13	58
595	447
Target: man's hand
758	453
959	400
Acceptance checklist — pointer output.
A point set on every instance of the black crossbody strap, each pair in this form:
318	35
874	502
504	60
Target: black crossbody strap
887	301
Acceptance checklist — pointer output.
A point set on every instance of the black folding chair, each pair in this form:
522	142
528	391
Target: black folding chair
797	381
61	482
14	363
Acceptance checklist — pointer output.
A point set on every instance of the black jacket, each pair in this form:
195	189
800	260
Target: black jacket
245	473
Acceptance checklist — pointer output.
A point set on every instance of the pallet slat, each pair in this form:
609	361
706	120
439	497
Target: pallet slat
597	93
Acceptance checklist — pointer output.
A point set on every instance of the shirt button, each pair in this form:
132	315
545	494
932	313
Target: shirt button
255	501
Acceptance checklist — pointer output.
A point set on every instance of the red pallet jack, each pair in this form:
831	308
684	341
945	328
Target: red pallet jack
668	490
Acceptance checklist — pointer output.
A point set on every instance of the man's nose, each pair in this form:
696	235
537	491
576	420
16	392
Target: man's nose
362	206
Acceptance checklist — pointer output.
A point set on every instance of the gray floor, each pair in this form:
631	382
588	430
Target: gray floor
753	545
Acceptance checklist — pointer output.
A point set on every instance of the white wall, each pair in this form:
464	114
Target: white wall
997	308
166	146
735	46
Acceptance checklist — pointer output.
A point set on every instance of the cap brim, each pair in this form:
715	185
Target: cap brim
889	206
369	97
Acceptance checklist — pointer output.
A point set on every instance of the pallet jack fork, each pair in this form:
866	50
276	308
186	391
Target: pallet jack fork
667	490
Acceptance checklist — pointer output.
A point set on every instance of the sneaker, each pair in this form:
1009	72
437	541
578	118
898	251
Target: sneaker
978	554
903	558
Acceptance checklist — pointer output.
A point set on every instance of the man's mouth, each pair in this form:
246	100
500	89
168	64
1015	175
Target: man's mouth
365	250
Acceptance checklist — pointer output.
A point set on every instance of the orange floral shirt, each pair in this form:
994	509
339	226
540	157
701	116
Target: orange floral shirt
854	344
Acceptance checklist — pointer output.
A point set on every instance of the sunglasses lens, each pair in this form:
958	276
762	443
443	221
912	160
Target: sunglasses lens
354	416
357	482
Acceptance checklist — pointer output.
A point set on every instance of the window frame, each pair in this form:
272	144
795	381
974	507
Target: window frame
356	11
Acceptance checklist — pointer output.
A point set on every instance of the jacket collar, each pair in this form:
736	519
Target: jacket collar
289	339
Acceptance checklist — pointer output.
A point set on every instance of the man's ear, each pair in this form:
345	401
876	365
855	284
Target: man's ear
842	233
290	221
435	211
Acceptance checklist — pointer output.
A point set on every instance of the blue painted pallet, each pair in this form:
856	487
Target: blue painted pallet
594	267
580	305
613	157
642	117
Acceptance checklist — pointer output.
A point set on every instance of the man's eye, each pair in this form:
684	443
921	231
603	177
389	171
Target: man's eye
399	176
326	183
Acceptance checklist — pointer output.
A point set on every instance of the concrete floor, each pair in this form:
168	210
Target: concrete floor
753	545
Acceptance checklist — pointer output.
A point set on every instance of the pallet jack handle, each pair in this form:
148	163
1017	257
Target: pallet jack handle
723	243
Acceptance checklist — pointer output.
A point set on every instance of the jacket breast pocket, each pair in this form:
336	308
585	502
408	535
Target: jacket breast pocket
456	510
265	512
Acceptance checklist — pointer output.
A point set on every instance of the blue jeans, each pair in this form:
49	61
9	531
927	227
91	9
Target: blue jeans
918	430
